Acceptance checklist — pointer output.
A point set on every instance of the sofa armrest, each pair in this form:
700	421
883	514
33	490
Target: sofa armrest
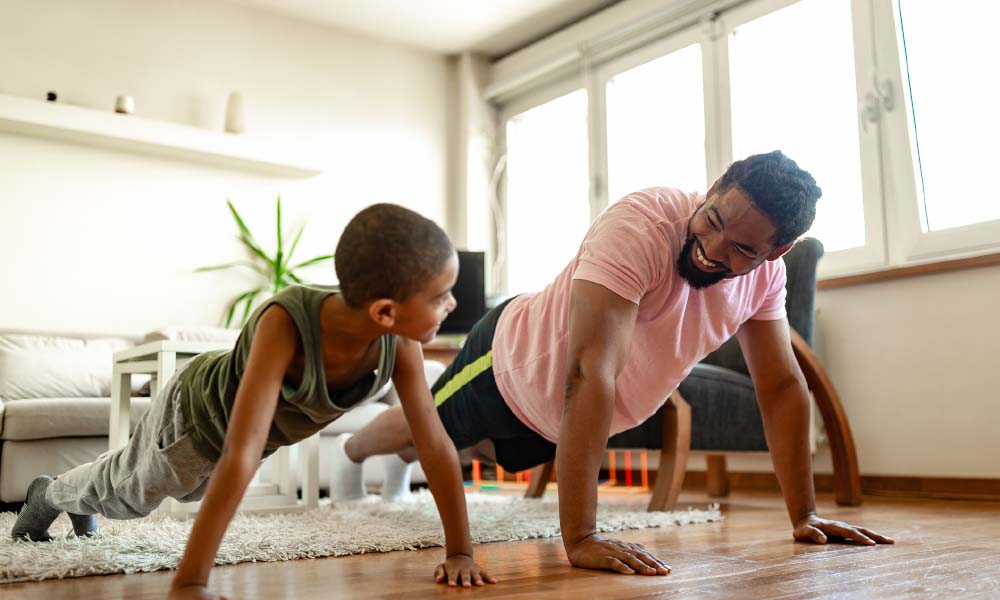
432	370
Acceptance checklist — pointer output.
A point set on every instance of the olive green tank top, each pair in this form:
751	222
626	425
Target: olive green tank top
209	381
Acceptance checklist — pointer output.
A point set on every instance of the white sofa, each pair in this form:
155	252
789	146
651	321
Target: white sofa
55	404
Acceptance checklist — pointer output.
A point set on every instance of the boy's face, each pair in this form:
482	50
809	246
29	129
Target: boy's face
420	316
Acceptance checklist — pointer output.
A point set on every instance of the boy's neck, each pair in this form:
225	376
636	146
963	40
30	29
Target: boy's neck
347	328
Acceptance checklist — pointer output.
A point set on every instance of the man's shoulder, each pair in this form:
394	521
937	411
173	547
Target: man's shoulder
661	202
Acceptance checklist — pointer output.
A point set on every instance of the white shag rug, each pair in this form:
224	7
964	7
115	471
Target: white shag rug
370	525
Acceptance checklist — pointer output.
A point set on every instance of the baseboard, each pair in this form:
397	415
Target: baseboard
954	488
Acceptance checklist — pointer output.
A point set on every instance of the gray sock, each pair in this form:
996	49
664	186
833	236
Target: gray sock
33	522
83	525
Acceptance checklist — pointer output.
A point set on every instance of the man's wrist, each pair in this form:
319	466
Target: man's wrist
802	516
570	540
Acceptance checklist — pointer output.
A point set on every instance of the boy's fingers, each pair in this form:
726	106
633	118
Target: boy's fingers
465	576
439	573
477	579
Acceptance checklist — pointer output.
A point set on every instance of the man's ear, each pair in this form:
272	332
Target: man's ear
383	312
780	251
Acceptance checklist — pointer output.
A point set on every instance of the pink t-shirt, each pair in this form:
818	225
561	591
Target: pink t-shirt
632	250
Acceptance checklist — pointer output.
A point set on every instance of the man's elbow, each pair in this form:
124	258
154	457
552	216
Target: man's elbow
582	374
776	393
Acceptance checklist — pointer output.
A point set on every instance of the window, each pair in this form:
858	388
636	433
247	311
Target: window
547	190
656	125
952	107
792	88
888	103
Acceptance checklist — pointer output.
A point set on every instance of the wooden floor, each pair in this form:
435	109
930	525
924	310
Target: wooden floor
944	549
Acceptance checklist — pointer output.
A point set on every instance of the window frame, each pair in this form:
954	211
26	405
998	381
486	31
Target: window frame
607	71
873	254
894	235
910	244
520	104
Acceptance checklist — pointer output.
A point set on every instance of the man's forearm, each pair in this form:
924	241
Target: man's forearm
583	436
444	477
786	425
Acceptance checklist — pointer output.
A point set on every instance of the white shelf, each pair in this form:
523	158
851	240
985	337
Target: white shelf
134	134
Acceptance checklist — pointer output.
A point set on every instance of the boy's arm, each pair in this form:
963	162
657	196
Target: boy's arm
271	353
601	324
440	464
784	406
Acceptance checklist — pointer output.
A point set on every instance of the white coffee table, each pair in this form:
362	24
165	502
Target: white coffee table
160	360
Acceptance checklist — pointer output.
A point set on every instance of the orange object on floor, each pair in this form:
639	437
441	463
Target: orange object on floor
628	468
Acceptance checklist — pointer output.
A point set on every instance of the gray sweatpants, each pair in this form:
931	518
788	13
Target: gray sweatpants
159	461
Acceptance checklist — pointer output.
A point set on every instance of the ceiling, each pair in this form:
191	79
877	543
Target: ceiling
491	27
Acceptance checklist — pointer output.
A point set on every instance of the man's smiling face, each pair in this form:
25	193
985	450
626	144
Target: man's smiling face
727	236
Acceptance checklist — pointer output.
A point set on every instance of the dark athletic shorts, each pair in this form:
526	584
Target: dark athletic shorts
472	409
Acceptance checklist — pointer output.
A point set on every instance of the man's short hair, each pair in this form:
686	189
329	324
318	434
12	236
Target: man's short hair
779	188
387	251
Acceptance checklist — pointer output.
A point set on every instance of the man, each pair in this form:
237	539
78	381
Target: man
662	278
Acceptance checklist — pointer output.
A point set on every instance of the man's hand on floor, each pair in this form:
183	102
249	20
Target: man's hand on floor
819	531
596	552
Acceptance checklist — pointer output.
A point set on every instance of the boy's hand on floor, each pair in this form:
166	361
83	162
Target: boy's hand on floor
818	530
193	592
596	552
460	569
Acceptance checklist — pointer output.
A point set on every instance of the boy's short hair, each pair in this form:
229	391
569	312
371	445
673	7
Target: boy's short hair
779	188
388	251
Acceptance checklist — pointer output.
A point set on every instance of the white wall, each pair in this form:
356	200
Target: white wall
916	364
103	240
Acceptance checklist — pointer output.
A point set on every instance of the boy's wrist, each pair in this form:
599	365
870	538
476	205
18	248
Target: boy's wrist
464	549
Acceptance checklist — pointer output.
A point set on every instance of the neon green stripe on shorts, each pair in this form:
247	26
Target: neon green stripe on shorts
467	374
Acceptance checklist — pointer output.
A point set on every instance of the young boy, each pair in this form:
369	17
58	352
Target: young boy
304	358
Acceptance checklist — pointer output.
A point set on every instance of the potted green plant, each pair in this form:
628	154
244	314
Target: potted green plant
277	271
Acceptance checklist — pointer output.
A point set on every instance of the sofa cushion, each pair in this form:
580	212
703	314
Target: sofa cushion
355	419
37	366
45	418
193	334
724	414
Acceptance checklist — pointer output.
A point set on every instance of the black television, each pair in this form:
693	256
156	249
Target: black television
469	292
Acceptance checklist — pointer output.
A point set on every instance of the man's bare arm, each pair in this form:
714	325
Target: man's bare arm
601	325
784	405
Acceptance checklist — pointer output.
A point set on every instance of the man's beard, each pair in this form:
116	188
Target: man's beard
697	278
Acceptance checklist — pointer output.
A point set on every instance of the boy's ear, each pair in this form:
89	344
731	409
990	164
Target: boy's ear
780	251
383	312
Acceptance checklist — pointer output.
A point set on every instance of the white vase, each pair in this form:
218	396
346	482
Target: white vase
235	117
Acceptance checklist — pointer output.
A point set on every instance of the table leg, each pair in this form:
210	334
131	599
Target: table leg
121	404
309	468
